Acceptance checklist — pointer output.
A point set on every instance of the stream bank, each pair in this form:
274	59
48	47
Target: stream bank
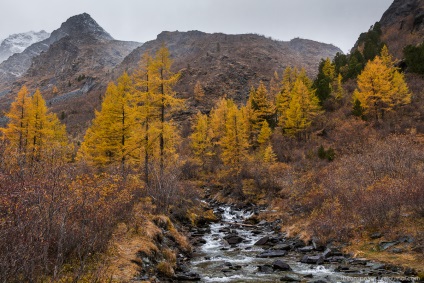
232	250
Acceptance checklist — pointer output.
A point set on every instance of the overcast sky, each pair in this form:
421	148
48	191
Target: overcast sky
331	21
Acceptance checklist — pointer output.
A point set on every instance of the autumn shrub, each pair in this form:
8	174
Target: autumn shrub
52	217
368	190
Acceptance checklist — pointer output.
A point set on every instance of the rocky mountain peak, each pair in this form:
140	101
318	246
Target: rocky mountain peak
80	25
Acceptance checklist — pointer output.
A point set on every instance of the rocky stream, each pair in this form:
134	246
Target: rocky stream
233	251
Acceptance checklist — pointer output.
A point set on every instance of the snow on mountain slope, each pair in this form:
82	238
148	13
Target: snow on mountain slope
17	43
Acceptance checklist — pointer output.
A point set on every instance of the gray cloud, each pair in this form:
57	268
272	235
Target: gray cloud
332	21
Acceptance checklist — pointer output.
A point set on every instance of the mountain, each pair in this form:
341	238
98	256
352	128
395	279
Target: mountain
74	65
229	64
76	59
17	43
76	26
403	24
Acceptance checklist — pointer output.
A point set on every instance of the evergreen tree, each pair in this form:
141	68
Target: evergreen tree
325	80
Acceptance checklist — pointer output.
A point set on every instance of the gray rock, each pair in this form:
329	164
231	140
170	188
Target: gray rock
265	268
272	253
312	259
283	247
262	241
188	276
280	265
306	249
290	278
385	245
233	239
376	236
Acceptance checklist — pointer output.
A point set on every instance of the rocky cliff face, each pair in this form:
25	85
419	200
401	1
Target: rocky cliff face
403	24
17	43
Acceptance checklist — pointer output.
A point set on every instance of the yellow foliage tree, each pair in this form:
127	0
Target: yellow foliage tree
234	143
110	138
303	108
201	143
33	134
199	93
381	88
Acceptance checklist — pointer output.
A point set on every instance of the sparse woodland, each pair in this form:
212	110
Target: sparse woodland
335	158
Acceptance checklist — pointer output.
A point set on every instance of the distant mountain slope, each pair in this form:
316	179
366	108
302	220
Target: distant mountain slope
230	64
17	43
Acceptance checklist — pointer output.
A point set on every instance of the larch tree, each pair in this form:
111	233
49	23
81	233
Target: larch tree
381	88
262	109
201	143
163	82
16	132
234	143
147	112
303	108
199	93
109	140
33	133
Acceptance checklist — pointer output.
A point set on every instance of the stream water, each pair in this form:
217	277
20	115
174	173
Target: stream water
215	260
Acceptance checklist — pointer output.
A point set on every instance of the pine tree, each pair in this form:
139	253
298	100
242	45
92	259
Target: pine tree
325	79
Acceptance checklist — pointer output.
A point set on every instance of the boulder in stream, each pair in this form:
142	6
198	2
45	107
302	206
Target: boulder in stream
262	241
233	239
281	265
188	276
317	259
272	253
